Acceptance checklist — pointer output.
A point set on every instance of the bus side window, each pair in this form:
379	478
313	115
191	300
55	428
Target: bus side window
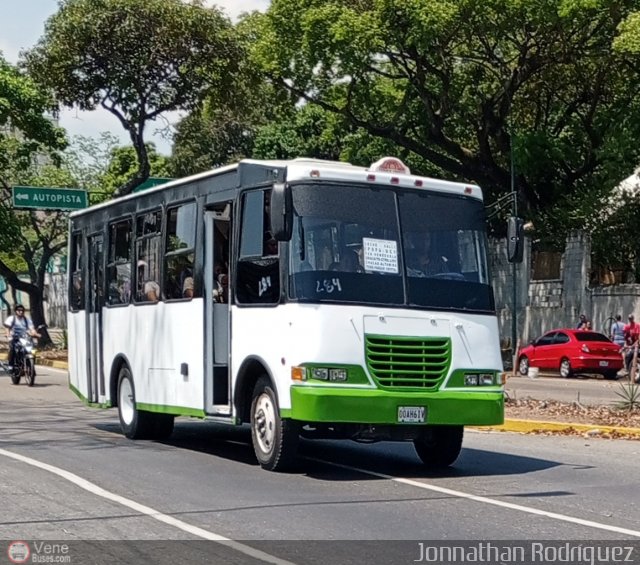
258	267
147	248
119	263
76	289
179	257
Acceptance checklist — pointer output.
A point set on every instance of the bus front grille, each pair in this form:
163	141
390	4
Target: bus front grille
408	362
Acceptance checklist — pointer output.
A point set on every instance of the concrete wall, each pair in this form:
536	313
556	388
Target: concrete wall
545	305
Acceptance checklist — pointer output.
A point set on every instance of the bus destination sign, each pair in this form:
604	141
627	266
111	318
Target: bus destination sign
49	198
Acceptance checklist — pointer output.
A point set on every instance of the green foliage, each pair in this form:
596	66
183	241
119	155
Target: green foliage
630	396
138	59
23	107
26	133
122	165
460	86
223	127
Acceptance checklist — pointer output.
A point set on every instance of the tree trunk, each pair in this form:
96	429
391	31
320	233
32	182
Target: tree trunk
37	317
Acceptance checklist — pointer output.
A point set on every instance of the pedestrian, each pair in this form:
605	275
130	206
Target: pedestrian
617	331
582	321
631	335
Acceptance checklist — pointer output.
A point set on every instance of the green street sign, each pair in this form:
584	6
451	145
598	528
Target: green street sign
49	198
151	182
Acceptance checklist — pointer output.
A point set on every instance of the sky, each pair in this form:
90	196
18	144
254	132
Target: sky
22	24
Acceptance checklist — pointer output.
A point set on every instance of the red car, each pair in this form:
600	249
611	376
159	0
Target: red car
572	351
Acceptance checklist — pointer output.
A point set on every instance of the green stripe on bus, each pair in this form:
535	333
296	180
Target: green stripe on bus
175	410
86	401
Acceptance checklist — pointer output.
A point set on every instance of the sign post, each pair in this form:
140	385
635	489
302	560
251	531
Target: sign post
49	198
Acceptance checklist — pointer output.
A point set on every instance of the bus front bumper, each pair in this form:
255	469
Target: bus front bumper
373	406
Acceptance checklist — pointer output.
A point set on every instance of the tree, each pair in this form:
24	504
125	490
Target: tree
223	127
138	59
27	134
464	85
42	235
122	164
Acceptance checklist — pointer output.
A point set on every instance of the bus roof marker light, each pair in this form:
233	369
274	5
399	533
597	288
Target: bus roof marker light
390	165
418	182
395	180
468	190
314	174
371	178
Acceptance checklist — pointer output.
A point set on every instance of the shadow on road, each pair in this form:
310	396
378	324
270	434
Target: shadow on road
340	460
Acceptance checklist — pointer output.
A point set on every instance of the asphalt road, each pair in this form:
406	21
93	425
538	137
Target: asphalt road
67	474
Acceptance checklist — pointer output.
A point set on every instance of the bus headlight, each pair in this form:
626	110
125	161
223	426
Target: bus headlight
470	380
485	379
320	373
481	379
339	375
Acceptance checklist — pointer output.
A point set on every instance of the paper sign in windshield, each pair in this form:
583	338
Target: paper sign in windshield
380	255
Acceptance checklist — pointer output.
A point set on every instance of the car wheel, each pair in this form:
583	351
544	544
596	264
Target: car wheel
611	375
565	369
523	366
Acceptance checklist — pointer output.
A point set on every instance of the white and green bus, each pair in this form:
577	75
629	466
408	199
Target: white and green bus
305	298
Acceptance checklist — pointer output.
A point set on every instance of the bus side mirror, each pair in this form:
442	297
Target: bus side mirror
515	240
281	212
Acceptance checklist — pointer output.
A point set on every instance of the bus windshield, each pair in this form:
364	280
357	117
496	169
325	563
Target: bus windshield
388	246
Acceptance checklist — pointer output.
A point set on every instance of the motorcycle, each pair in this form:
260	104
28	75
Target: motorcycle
24	359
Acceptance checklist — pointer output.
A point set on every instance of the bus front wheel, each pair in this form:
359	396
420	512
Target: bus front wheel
275	440
439	446
137	424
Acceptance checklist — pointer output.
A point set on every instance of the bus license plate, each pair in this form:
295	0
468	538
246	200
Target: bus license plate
604	363
411	414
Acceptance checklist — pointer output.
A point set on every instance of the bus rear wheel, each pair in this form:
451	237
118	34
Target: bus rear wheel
439	446
138	424
275	440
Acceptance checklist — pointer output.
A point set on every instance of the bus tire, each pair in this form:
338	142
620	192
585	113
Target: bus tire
440	445
132	420
275	440
138	424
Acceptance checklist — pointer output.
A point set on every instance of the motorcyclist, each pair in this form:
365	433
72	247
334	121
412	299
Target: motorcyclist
18	326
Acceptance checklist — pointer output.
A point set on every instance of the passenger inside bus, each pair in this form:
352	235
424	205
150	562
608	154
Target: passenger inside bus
349	263
424	261
221	292
148	290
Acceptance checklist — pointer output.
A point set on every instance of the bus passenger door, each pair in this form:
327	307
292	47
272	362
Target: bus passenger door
217	312
95	279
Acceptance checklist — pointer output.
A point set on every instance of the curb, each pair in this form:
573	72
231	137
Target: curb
534	426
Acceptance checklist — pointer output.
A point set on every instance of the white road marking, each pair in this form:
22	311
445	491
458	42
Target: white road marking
485	500
147	511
